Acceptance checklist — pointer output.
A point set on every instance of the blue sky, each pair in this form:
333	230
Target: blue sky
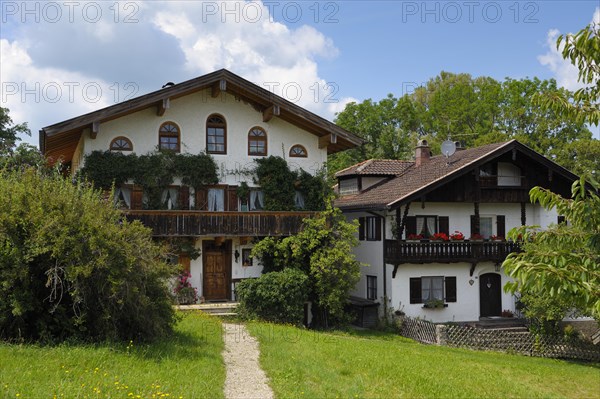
62	59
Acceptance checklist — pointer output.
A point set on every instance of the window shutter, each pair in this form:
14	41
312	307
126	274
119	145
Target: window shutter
473	229
232	199
184	197
450	283
378	229
361	228
411	225
444	225
201	199
501	225
415	290
137	193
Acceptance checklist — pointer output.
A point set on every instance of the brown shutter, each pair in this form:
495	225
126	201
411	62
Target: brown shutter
137	193
450	283
473	229
361	228
415	290
184	261
378	229
501	225
232	199
184	197
202	199
411	225
444	224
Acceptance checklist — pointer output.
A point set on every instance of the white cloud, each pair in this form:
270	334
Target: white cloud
165	41
565	73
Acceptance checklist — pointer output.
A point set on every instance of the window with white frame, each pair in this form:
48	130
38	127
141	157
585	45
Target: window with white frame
257	200
486	224
426	225
429	288
170	197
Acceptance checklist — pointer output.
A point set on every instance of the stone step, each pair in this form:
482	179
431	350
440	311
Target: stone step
217	309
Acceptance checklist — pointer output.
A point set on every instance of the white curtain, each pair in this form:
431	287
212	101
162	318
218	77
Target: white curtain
420	222
257	200
438	288
299	200
123	194
431	226
169	197
485	226
216	200
425	289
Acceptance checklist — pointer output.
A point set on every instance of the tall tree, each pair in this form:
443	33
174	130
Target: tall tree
9	132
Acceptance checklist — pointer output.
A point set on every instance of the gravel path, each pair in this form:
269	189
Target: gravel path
245	379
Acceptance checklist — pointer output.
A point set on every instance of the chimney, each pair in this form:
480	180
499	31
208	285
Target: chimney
422	153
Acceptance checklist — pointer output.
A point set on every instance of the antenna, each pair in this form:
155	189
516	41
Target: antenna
448	148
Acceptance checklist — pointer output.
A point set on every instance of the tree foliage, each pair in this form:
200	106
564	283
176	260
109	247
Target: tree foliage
562	262
72	267
475	111
323	252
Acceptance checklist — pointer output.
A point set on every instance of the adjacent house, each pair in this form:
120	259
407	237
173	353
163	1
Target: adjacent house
432	230
236	122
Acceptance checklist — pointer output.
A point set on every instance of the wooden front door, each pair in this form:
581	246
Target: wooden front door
217	270
490	295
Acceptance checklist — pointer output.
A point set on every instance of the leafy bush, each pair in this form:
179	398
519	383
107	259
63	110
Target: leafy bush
72	267
275	296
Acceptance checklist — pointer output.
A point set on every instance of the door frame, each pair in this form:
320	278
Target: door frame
225	249
483	280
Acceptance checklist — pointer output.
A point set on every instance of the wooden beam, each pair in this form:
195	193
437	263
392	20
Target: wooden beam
163	106
94	130
270	112
324	141
218	87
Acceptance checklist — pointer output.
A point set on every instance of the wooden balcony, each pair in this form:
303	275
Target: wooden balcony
202	223
398	252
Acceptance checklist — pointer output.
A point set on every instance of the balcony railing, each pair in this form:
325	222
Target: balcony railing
202	223
397	252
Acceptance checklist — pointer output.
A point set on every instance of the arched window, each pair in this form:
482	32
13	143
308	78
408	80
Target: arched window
298	151
257	141
216	135
168	137
121	144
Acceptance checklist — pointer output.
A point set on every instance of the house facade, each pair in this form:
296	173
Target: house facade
432	230
235	122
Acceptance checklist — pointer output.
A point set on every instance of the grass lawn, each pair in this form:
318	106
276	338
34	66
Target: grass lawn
188	365
309	364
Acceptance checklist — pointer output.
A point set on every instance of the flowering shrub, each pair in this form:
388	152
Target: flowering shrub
457	236
440	237
415	237
496	238
476	236
184	292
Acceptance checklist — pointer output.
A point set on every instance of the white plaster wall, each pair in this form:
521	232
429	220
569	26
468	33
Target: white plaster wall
466	307
370	253
190	114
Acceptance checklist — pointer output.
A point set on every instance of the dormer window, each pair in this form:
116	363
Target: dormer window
349	186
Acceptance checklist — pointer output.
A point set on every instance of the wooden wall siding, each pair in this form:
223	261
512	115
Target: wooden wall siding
398	252
199	223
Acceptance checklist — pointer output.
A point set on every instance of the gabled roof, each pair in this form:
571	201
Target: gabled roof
413	182
376	167
61	138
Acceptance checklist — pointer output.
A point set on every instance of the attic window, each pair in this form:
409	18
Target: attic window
121	144
298	151
349	186
168	137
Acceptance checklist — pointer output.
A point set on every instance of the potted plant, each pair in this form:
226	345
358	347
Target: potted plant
476	237
414	237
434	304
457	236
507	313
496	238
440	237
185	293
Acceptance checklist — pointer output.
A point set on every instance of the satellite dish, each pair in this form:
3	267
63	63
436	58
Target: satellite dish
448	148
